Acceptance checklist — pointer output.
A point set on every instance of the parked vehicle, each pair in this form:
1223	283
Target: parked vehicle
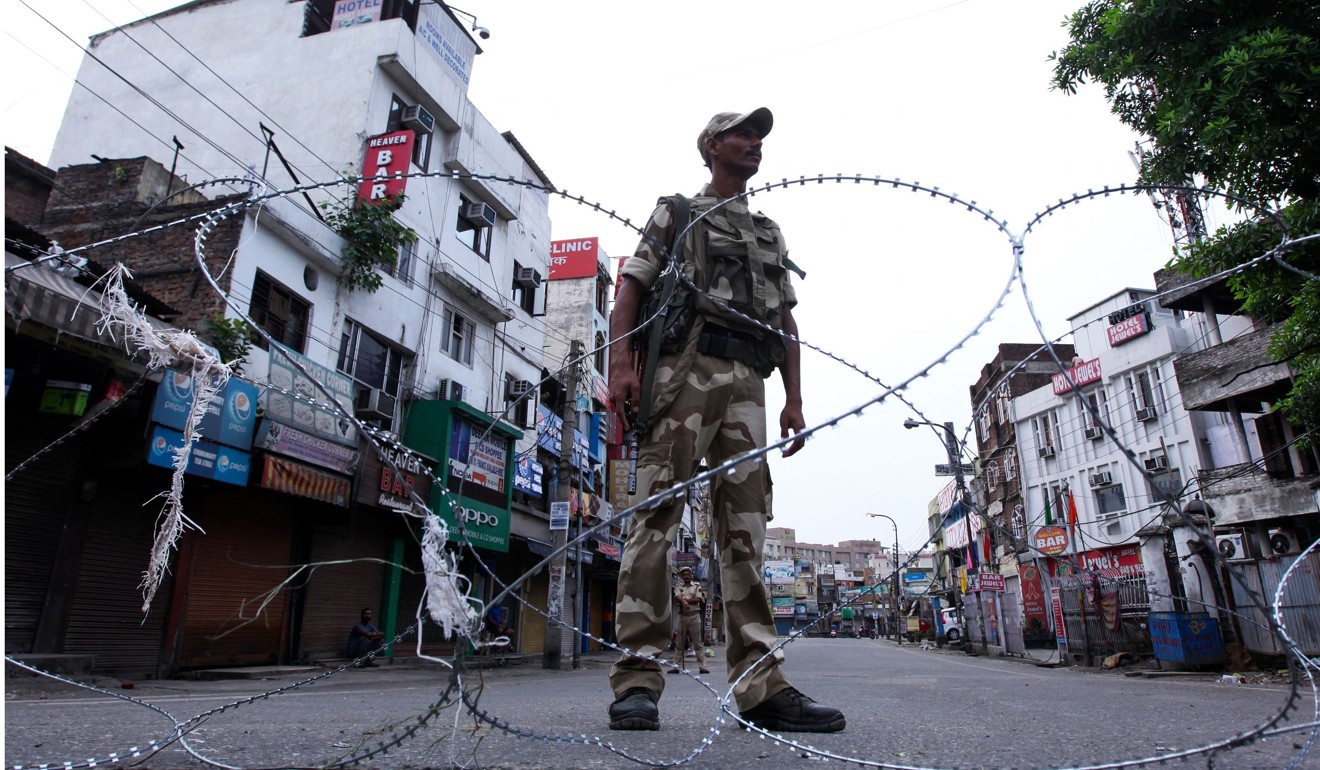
953	625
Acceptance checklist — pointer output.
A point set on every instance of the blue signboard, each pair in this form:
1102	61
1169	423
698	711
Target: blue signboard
1186	637
207	459
229	418
549	434
528	476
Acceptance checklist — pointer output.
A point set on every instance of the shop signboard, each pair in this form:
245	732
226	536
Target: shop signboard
207	459
283	439
475	458
1050	540
382	487
779	572
311	411
229	418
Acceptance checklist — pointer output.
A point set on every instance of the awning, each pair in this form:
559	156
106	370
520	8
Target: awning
544	549
35	292
294	478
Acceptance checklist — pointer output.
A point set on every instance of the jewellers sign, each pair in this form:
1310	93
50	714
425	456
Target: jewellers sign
1081	374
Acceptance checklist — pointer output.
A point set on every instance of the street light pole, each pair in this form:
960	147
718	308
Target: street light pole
893	599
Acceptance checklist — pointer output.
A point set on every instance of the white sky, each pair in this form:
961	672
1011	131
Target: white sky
609	96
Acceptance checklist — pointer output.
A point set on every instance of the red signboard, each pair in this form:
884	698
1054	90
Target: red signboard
1050	540
1081	374
990	581
573	259
1033	597
388	155
1117	562
1127	329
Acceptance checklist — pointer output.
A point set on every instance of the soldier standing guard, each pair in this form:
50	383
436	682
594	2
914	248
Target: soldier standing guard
689	597
701	395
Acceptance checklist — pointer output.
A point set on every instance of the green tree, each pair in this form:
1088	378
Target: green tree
1228	92
372	237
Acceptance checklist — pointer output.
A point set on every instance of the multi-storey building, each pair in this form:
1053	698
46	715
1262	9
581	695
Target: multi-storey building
437	356
1259	490
1103	450
1017	368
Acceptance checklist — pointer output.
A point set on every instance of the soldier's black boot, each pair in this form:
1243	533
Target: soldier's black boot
635	709
790	711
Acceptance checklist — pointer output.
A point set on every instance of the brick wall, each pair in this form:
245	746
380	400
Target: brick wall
27	188
98	201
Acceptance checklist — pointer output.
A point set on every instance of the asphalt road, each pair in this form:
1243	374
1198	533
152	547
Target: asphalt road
906	707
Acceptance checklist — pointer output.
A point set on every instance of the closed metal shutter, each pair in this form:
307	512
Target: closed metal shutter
534	592
336	593
37	502
237	602
106	618
410	596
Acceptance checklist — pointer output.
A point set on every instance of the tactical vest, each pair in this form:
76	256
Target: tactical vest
739	260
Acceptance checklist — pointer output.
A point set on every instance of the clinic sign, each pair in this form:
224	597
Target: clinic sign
574	259
1082	373
384	166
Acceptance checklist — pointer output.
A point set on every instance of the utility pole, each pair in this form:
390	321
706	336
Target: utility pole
550	657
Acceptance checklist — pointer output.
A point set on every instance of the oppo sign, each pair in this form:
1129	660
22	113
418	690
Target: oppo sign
473	518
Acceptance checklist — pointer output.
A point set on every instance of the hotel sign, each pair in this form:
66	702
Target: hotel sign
1128	329
1081	374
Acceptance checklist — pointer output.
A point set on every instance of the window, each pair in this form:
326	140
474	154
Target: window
402	268
457	336
1046	430
1146	390
280	312
372	362
476	238
1092	419
602	293
602	344
421	155
991	472
1109	501
521	410
1166	486
983	424
1010	464
528	294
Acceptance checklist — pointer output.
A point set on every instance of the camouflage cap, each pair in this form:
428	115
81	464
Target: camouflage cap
759	117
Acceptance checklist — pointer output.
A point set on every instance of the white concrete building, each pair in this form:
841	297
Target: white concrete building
460	310
1123	369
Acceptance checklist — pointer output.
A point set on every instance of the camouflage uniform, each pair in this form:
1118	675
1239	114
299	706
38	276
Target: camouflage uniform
689	623
713	408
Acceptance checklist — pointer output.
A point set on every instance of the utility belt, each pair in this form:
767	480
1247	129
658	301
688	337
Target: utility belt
733	345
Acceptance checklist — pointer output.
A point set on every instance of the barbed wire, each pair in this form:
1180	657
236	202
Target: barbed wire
387	447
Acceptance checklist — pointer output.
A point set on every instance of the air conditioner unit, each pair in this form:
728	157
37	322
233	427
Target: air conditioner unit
418	119
1147	413
527	277
373	404
479	215
1284	541
1157	464
1102	479
1094	432
1231	545
1046	451
515	389
450	390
